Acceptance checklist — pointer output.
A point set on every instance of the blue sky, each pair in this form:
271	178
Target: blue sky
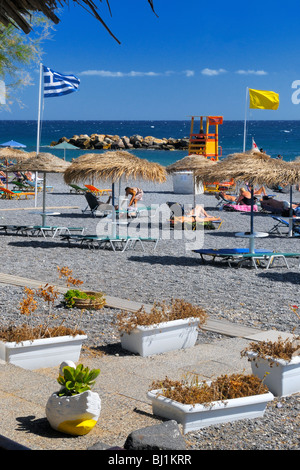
194	58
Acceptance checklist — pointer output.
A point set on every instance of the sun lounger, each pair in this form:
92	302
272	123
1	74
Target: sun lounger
282	223
97	191
18	186
13	229
258	258
77	189
31	184
51	230
36	230
116	243
8	194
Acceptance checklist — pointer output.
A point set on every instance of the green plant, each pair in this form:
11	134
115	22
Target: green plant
160	312
69	297
76	380
73	294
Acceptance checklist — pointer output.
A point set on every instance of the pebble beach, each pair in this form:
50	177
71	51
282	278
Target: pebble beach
259	299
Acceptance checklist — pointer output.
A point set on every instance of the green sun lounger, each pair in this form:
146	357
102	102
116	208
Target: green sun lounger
241	255
121	243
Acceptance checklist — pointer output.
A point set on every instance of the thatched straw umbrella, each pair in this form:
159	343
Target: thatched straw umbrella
9	153
254	168
44	163
113	165
194	163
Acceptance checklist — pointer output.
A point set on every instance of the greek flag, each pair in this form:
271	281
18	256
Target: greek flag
56	84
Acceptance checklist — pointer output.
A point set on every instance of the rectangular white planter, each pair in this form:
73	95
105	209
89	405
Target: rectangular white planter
45	352
281	377
163	337
194	417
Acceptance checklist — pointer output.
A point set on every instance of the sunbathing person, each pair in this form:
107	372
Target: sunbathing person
278	207
200	212
259	191
243	198
197	214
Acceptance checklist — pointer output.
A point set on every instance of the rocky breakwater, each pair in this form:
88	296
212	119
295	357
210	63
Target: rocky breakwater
115	142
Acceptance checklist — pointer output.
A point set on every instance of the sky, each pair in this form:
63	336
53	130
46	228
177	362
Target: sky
193	58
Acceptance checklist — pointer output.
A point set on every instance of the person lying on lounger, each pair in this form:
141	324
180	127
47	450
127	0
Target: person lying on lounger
197	214
278	207
243	198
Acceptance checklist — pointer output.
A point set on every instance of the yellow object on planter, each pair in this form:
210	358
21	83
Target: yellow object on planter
75	414
77	427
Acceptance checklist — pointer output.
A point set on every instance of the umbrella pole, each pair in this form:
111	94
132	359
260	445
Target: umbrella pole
194	189
114	222
44	201
291	212
251	248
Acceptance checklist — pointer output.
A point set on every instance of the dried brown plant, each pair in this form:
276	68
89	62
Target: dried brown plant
280	349
29	305
160	312
66	272
223	388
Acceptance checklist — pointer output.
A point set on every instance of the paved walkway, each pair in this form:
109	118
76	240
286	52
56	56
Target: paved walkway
122	384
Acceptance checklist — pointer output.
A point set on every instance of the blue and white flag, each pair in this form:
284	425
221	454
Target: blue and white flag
56	84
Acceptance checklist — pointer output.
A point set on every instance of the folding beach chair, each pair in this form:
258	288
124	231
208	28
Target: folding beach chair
94	205
282	223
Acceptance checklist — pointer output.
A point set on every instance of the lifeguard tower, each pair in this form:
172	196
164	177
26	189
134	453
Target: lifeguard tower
205	142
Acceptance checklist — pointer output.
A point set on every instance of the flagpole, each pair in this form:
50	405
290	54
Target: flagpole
244	143
38	133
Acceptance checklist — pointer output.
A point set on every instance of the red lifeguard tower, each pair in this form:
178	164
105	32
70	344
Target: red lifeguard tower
204	142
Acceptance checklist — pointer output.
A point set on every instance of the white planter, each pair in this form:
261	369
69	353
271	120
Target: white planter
156	339
75	415
193	417
281	377
45	352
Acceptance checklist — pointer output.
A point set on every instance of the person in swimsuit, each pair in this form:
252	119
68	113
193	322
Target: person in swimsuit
243	198
136	195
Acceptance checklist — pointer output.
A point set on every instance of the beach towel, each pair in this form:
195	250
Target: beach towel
239	207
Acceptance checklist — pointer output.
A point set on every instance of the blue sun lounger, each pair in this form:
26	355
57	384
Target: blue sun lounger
282	223
242	254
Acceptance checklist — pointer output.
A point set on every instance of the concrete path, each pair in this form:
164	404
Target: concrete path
122	384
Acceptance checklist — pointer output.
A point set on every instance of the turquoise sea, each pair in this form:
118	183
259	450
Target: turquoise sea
275	137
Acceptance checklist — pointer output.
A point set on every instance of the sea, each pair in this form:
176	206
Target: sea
275	137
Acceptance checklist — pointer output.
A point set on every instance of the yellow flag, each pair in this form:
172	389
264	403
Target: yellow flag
261	99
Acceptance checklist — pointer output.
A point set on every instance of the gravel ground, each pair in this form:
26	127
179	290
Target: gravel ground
259	299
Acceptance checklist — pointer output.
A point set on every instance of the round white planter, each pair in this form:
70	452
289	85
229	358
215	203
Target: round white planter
163	337
281	377
193	417
76	414
45	352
